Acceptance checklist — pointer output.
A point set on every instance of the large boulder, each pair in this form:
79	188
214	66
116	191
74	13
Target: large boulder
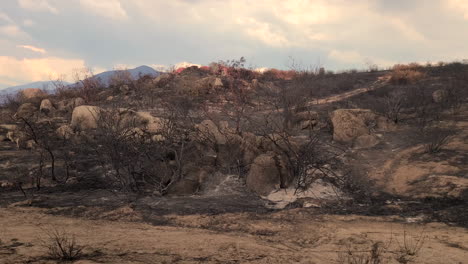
69	105
196	83
307	119
65	132
210	130
32	93
26	110
249	147
46	106
267	173
194	176
350	124
142	120
85	117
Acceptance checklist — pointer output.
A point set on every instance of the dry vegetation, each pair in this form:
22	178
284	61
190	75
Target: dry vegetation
237	152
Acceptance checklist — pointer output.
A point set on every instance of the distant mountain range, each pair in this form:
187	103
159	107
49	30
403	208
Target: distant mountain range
46	85
104	77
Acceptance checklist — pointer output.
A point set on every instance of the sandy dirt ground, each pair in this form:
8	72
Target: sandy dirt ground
289	236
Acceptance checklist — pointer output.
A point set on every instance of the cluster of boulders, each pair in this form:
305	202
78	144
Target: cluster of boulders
267	170
358	127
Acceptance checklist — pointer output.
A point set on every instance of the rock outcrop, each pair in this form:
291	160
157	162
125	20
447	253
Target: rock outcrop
46	106
65	132
32	93
85	117
26	110
351	124
267	173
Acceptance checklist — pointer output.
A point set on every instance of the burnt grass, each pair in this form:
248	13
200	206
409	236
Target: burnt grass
91	197
92	203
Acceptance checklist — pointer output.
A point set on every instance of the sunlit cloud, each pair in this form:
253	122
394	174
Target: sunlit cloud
4	17
263	32
459	6
28	23
38	6
12	31
32	48
107	8
17	71
406	29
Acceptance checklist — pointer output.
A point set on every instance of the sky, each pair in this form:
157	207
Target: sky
43	39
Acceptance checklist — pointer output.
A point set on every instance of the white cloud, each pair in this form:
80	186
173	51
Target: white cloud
185	64
352	57
28	23
32	48
12	31
38	5
30	70
263	32
300	12
160	67
406	29
6	18
459	6
346	56
107	8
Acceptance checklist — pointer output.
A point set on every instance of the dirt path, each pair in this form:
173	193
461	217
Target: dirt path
340	97
284	237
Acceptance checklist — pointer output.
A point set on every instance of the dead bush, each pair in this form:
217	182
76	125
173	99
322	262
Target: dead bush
87	85
376	255
358	185
134	158
61	245
307	161
435	138
409	247
393	105
274	74
406	74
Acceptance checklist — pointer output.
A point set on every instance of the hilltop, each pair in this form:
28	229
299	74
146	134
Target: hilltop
220	163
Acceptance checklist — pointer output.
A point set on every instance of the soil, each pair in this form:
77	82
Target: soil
288	236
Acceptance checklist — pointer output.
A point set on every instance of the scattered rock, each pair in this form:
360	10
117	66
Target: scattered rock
65	132
318	192
365	141
210	130
85	117
26	110
264	175
439	96
46	106
350	124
